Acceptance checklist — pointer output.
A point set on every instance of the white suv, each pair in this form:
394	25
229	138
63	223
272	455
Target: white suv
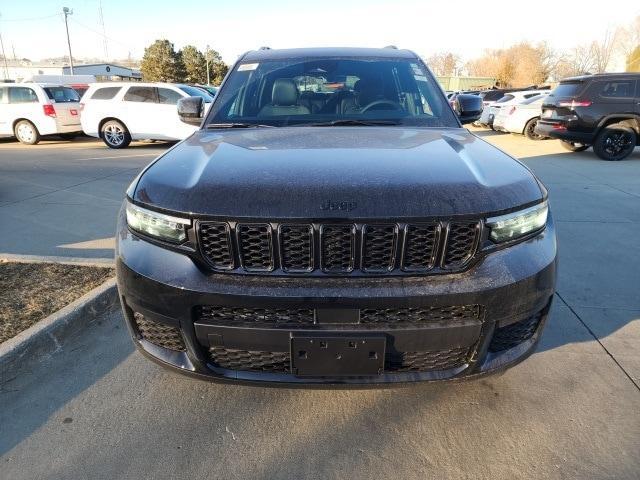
121	112
30	110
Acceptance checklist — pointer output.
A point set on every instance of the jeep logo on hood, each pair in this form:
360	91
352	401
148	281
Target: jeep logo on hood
344	206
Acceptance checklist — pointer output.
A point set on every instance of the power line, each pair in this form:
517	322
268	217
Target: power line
98	33
30	19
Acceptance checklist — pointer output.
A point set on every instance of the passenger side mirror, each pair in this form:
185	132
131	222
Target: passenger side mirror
468	108
191	110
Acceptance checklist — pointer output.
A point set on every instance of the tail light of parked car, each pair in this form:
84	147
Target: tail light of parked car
49	111
574	103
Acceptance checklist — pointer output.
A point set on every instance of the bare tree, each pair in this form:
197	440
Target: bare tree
444	63
627	38
577	61
519	65
601	52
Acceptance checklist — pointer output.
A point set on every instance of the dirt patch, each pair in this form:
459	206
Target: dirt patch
31	291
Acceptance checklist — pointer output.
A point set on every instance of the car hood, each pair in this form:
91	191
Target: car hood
334	172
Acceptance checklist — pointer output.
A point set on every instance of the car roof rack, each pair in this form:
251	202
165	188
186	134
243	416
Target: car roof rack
393	47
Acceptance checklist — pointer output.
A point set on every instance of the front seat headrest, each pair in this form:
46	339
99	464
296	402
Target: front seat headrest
285	93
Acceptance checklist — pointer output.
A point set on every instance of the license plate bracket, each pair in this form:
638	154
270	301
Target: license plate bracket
320	356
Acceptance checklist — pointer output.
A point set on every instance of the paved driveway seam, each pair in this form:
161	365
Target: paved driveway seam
598	340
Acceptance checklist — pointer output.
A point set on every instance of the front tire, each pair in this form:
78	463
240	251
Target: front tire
615	142
529	130
574	146
26	132
115	135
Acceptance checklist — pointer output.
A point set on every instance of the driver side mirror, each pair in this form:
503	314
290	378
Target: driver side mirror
191	110
468	107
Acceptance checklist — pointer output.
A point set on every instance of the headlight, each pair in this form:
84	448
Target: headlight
518	224
158	225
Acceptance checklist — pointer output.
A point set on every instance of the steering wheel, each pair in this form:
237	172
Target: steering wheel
375	103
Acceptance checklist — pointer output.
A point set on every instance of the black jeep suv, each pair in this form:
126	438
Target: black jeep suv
601	110
331	222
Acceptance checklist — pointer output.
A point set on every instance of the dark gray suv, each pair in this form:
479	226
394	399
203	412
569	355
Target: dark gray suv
332	222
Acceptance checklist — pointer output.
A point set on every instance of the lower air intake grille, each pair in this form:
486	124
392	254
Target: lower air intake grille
426	361
512	335
256	317
399	317
369	317
251	361
161	335
279	362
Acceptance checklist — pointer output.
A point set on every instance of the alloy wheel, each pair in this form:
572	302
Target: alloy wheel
617	143
114	134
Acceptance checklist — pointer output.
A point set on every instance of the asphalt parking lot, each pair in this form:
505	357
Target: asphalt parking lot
98	409
61	198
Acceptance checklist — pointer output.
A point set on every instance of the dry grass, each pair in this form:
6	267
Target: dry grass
31	291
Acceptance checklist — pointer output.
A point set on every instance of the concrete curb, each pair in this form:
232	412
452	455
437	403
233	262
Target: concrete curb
89	262
49	334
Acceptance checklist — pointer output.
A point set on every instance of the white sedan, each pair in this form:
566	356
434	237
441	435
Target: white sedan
521	118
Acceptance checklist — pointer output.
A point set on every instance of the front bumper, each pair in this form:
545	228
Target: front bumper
163	294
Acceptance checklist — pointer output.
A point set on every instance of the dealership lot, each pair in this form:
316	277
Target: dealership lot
100	410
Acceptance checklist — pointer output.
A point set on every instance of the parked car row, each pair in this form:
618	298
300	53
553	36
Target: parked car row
600	111
116	112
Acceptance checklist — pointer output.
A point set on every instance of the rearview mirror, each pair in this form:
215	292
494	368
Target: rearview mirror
191	110
468	107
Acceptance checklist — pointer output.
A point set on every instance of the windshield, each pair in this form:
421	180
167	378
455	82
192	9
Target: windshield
196	92
331	90
62	94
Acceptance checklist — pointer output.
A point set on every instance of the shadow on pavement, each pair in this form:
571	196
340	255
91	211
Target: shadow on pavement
28	398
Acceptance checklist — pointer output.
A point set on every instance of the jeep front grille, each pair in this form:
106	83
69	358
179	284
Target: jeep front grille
338	248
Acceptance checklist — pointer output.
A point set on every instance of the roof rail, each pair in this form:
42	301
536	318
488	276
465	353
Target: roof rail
264	48
393	47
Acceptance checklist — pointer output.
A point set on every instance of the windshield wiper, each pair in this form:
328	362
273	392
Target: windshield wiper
348	122
237	125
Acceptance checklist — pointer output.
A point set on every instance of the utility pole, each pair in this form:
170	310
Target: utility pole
6	66
206	56
68	12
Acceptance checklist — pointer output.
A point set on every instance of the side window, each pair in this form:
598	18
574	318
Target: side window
166	96
22	95
106	93
617	89
141	94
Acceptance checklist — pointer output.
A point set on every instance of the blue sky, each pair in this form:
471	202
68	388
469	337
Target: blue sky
232	27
